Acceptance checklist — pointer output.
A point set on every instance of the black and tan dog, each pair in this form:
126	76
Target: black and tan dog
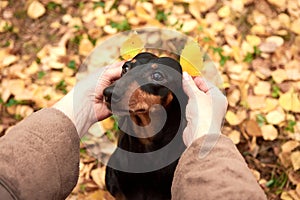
146	170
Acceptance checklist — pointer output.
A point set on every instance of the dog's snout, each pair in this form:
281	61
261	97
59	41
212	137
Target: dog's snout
111	96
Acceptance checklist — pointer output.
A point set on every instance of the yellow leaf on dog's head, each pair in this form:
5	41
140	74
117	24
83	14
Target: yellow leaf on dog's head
191	58
131	47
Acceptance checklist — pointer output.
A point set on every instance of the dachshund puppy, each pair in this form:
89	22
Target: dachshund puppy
150	103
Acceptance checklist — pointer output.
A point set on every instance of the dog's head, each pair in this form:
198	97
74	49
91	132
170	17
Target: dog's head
146	80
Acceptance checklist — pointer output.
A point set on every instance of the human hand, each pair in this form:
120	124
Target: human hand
84	104
205	110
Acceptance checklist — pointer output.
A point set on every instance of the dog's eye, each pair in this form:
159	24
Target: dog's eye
157	76
125	69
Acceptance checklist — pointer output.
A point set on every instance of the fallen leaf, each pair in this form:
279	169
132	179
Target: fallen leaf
256	102
275	117
99	194
234	119
85	47
98	175
191	58
132	46
252	128
275	39
235	136
189	25
279	75
224	11
285	159
97	129
269	132
295	158
270	104
262	88
289	101
295	26
36	10
108	123
234	97
285	196
289	146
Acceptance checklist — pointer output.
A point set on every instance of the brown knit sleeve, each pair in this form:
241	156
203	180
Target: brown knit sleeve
40	157
222	174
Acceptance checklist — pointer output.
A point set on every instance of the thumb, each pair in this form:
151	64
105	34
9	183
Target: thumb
189	86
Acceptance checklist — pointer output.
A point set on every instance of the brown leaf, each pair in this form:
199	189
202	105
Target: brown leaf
289	146
295	158
252	128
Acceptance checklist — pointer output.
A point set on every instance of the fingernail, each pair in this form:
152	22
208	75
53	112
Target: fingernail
186	76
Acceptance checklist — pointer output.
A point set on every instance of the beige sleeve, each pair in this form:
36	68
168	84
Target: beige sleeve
40	157
222	174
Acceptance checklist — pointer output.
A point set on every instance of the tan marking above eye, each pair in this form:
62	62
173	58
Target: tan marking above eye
133	61
154	66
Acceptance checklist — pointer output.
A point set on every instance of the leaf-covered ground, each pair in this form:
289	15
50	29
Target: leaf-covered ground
254	43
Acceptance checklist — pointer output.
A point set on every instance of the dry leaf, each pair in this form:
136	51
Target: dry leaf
108	123
275	39
289	101
269	132
85	47
234	97
235	136
189	25
270	104
285	159
235	119
132	46
279	75
36	10
262	88
295	26
285	196
289	146
252	128
99	194
191	58
97	129
224	11
279	3
295	158
256	102
275	117
98	176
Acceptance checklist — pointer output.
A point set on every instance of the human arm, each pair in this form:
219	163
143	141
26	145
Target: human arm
40	155
211	167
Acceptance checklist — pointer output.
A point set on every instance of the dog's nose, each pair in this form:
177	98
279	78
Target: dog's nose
111	96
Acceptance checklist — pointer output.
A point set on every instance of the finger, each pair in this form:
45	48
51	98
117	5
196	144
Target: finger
201	83
189	85
114	71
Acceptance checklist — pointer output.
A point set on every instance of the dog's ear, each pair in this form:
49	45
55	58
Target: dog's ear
170	62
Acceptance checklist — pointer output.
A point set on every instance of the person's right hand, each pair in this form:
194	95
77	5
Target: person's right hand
205	110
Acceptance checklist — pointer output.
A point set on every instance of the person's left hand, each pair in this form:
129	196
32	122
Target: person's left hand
84	104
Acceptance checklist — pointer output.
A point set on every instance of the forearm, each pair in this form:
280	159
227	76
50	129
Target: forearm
222	174
40	156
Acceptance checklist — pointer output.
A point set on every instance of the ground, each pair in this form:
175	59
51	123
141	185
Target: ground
255	45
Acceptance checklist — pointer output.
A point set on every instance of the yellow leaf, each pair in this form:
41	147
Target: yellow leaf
269	132
131	47
295	158
191	58
289	101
